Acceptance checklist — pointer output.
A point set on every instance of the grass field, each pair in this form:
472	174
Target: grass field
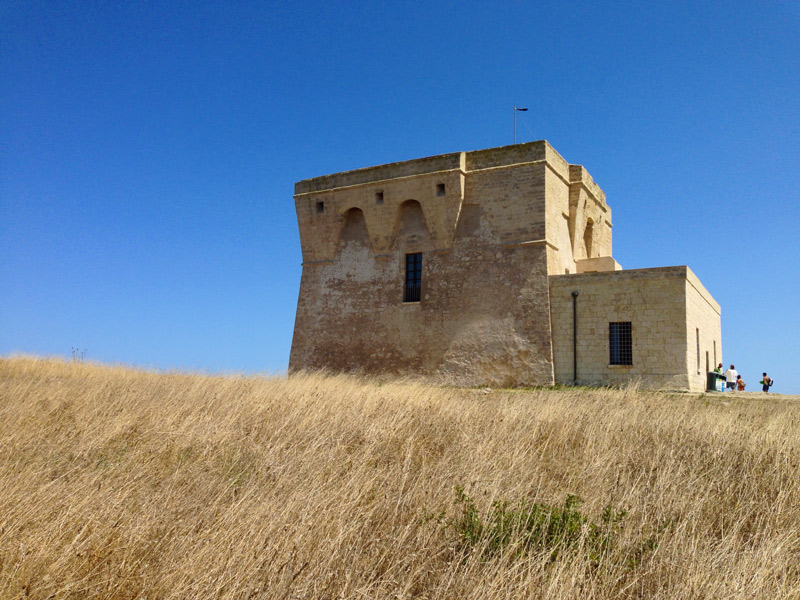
118	483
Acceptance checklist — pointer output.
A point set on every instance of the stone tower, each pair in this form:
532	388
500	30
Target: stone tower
443	266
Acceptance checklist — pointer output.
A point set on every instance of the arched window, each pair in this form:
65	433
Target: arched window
587	237
410	226
354	229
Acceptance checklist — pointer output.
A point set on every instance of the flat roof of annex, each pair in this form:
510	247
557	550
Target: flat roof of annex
627	275
475	160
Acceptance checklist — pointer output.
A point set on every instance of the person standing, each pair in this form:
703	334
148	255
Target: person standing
740	384
766	383
730	378
718	369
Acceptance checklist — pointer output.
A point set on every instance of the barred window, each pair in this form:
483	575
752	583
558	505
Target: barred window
411	293
620	343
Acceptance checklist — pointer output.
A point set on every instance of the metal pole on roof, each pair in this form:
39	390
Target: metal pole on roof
515	120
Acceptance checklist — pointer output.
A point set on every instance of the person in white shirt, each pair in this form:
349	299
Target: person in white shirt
730	378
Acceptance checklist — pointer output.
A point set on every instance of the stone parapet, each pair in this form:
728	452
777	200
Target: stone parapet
579	175
506	155
599	264
409	168
474	160
675	272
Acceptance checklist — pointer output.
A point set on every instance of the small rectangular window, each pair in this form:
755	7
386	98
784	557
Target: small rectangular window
379	197
413	285
440	189
320	207
620	343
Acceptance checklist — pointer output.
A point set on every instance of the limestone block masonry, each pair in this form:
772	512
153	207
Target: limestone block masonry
675	327
457	266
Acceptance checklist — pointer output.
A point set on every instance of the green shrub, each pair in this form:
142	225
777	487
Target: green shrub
531	527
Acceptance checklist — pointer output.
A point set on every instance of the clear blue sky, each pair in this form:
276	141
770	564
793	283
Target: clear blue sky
148	152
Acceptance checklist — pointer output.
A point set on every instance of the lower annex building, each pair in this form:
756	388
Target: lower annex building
491	267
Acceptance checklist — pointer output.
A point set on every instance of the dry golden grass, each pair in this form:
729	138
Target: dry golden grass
117	483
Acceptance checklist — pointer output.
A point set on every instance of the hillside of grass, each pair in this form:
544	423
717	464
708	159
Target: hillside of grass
118	483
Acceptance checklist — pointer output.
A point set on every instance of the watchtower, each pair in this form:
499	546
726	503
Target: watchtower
442	265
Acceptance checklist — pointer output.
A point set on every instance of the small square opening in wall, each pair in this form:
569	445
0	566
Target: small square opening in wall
440	189
320	207
379	197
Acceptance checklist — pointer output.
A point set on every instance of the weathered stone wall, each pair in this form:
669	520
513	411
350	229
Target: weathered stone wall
590	216
482	318
664	307
560	259
478	219
321	214
703	332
